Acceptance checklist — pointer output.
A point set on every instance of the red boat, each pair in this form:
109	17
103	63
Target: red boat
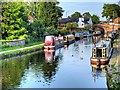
49	43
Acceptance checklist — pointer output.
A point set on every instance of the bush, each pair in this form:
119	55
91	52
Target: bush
36	31
64	31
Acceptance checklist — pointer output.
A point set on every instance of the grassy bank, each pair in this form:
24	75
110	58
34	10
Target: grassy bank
7	48
20	51
113	75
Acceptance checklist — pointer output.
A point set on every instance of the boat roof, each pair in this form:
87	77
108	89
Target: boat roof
103	44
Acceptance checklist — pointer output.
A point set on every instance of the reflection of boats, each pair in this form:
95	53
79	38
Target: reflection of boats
101	53
51	56
98	71
96	39
49	43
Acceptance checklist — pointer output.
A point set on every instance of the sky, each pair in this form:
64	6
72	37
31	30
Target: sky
88	0
83	6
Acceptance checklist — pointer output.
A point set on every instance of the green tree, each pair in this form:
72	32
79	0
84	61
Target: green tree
14	20
36	31
50	13
71	26
74	25
34	9
64	31
76	15
95	19
111	11
86	16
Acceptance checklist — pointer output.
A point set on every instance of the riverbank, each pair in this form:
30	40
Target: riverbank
29	49
114	66
21	51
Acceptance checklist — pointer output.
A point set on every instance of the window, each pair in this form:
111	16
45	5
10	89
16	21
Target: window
99	52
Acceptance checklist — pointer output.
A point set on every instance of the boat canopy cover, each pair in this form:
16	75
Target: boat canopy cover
103	43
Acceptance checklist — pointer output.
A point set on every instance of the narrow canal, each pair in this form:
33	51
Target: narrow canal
65	68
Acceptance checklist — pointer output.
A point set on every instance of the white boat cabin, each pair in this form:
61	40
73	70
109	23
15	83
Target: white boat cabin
102	49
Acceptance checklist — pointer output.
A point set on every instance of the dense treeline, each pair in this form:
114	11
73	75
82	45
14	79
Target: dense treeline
15	23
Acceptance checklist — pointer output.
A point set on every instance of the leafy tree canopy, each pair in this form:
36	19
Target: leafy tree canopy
70	25
36	31
47	12
95	19
111	11
86	16
14	20
76	15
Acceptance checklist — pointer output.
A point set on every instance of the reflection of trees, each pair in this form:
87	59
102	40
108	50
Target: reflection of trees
39	64
12	71
49	68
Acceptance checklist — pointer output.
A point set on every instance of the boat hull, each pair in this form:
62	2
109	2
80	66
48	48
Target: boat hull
49	48
99	62
98	66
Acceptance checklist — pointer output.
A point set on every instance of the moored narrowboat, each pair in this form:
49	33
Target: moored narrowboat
77	36
101	52
49	43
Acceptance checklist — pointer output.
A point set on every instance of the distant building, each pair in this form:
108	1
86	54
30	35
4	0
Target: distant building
81	24
62	22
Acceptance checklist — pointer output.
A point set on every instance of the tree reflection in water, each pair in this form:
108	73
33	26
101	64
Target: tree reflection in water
14	69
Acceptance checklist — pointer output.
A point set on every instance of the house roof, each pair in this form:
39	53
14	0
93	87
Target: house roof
66	20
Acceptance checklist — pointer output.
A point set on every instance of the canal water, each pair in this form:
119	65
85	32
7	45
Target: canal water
67	67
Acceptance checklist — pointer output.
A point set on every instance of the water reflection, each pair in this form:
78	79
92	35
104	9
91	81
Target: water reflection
64	68
96	39
98	71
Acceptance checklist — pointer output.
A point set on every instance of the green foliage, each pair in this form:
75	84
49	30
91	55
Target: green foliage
64	31
36	31
95	19
86	16
70	25
111	11
113	78
74	25
88	27
15	23
50	13
76	15
14	20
